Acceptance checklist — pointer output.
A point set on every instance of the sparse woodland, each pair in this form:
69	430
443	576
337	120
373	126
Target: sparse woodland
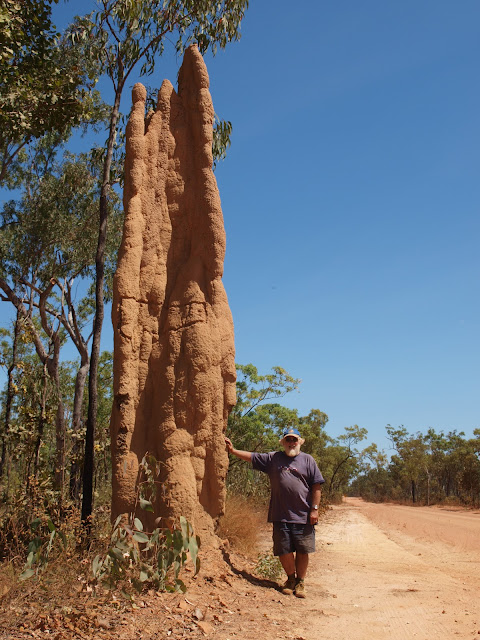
58	255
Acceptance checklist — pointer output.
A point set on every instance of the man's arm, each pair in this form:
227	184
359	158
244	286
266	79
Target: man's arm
316	495
243	455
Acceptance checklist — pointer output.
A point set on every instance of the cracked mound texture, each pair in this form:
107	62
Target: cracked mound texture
174	361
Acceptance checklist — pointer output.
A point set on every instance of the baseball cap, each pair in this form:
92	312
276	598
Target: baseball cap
291	432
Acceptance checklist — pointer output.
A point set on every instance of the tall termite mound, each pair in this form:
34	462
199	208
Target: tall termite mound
174	369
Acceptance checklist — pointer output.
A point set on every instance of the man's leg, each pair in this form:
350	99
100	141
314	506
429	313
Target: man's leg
288	563
301	565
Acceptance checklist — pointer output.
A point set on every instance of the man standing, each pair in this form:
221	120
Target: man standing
295	482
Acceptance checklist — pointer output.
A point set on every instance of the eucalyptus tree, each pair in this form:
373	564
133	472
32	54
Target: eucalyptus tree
46	85
247	422
47	252
342	458
471	469
312	428
411	457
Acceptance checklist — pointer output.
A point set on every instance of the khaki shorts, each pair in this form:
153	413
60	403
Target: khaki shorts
291	536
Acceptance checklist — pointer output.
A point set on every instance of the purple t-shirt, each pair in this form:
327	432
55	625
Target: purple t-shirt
291	481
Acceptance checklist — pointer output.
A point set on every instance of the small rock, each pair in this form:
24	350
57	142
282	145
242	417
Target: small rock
206	627
198	614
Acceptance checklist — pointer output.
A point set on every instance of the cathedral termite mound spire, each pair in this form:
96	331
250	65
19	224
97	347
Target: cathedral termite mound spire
174	367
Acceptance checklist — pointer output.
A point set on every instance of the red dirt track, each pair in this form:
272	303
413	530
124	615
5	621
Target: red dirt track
396	572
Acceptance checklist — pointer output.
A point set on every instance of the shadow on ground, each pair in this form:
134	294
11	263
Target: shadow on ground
259	582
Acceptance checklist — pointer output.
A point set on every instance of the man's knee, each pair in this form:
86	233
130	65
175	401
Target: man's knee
291	537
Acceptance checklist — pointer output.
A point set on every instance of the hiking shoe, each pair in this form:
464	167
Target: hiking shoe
300	589
289	586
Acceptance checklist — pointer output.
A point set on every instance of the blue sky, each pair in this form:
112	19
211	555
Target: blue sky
351	204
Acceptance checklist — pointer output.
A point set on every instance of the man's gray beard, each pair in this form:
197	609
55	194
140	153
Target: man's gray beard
291	453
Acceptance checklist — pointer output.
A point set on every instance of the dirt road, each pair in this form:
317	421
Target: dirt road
392	572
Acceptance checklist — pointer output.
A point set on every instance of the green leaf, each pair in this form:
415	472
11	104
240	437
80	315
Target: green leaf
138	524
146	505
97	565
184	526
30	559
34	545
116	554
180	585
63	538
140	537
35	524
179	541
193	548
117	521
27	573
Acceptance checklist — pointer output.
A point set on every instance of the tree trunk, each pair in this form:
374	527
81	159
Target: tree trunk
89	462
41	422
53	367
76	466
10	393
60	447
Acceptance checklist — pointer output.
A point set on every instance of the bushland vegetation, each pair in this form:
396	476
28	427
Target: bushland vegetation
60	231
425	468
60	227
57	256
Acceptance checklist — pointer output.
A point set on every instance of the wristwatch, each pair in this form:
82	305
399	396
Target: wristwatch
315	506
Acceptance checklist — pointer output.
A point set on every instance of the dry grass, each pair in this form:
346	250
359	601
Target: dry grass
241	524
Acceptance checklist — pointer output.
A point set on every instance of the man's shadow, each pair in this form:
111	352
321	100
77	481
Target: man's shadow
260	582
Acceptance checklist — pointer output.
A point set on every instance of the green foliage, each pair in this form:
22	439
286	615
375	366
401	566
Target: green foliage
36	530
40	547
340	461
142	559
50	232
222	131
254	425
251	426
28	441
426	468
27	437
47	249
257	425
268	566
124	35
46	85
